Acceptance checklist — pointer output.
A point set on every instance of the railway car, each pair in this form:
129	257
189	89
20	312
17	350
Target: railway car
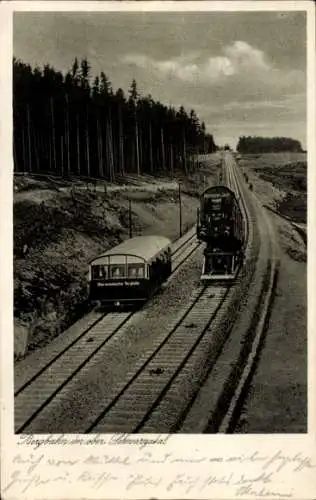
220	225
130	273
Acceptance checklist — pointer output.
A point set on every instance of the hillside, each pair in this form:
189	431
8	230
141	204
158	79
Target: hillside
60	226
277	398
280	179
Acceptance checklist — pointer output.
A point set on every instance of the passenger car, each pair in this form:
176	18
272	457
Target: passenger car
131	272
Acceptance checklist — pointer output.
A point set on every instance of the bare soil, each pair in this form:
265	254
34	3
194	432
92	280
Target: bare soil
277	399
285	181
60	225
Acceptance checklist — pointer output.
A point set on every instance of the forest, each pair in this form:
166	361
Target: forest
268	145
75	125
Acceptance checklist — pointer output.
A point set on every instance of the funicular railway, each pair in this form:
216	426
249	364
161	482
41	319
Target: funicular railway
145	398
131	272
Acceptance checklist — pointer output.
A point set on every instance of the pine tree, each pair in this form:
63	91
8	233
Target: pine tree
64	126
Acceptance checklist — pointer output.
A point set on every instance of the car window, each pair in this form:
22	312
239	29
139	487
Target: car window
95	272
117	271
136	271
99	272
140	272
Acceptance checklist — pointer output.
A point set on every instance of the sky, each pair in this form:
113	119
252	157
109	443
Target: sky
244	73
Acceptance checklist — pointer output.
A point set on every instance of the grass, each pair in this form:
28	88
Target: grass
291	176
277	400
65	224
287	173
294	206
62	235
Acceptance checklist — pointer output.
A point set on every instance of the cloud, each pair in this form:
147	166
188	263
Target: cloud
292	104
247	68
243	56
238	89
237	58
240	69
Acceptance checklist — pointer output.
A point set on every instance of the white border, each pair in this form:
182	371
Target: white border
161	6
301	484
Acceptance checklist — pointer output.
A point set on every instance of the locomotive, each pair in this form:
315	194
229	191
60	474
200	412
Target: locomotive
220	225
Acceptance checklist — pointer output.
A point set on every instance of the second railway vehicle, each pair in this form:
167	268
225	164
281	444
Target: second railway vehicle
220	225
130	273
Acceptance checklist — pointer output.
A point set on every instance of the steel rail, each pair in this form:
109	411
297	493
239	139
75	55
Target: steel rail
181	366
97	423
249	354
89	330
136	386
102	316
187	419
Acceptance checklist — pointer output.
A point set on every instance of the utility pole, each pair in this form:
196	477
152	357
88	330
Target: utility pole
130	217
180	206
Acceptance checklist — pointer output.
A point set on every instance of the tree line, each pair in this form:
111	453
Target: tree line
66	126
268	145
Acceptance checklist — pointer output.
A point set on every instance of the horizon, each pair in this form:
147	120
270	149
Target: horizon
219	145
239	81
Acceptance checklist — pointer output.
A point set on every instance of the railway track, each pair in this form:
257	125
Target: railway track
253	332
133	408
159	390
36	384
217	405
151	398
136	402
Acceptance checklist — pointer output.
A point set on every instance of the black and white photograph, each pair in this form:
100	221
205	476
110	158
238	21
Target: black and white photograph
160	222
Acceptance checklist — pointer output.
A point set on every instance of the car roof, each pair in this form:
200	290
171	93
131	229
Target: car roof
143	247
218	190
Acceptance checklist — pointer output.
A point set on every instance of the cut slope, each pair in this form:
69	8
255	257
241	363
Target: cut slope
59	229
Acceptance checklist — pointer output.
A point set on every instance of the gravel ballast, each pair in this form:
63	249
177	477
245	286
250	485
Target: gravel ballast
81	401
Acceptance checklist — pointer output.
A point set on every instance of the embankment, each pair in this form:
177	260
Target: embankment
59	229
